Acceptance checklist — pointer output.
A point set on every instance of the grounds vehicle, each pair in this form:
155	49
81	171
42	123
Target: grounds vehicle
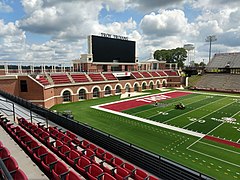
180	106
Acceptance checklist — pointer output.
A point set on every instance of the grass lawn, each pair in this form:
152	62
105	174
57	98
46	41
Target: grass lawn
217	160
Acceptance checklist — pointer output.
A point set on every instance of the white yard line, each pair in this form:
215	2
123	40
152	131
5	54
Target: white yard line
185	131
220	147
214	158
192	110
238	141
210	113
220	124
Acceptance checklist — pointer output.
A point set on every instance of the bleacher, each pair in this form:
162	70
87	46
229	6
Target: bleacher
96	77
9	165
109	76
154	74
219	81
78	78
171	73
137	75
42	79
162	73
145	74
62	155
60	78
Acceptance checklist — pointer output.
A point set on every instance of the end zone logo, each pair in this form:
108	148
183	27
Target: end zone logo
154	98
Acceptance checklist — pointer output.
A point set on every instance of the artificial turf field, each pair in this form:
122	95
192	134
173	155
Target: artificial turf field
207	113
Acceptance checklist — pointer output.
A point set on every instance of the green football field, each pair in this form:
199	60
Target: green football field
206	113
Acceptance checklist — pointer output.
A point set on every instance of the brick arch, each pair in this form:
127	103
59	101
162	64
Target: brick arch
96	87
82	88
67	89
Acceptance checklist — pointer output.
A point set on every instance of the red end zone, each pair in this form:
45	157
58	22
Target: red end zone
124	105
222	141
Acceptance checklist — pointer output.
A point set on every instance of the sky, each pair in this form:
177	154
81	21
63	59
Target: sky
57	30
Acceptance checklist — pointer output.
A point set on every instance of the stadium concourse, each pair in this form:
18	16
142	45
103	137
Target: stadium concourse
39	149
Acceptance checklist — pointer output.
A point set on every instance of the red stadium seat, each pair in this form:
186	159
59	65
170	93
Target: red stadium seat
56	145
100	153
84	144
44	137
82	164
129	167
40	153
38	132
47	161
93	171
117	161
4	153
20	135
108	157
92	147
66	140
64	150
88	153
71	135
11	164
72	176
140	174
120	173
32	146
106	176
60	135
58	170
73	157
25	141
19	175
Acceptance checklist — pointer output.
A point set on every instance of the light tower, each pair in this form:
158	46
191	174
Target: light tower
210	39
189	47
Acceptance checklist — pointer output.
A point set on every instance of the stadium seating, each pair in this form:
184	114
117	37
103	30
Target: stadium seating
154	74
19	175
162	73
59	170
145	74
4	153
171	73
82	164
60	78
137	75
93	171
120	173
11	164
42	80
109	76
96	77
79	78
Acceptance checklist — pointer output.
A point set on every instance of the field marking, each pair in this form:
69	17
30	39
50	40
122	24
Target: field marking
211	113
238	141
166	126
173	109
219	147
220	124
233	164
192	110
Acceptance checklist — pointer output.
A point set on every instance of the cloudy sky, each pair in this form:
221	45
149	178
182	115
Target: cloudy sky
57	30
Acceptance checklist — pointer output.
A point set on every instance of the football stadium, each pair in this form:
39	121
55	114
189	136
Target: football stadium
107	116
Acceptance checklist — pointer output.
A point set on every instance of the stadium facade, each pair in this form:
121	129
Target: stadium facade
110	68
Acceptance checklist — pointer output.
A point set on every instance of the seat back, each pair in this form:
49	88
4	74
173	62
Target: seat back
4	153
11	164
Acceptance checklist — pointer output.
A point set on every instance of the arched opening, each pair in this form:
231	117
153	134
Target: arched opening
136	87
107	90
82	94
151	85
66	96
164	84
118	89
127	88
95	92
158	84
143	86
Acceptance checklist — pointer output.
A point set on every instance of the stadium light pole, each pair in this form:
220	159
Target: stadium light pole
210	39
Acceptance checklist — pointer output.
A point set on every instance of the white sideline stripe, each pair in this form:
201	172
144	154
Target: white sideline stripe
238	141
214	158
185	131
227	95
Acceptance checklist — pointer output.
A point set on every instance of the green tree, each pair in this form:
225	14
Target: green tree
177	55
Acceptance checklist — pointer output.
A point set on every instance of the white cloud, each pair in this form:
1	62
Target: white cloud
5	8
